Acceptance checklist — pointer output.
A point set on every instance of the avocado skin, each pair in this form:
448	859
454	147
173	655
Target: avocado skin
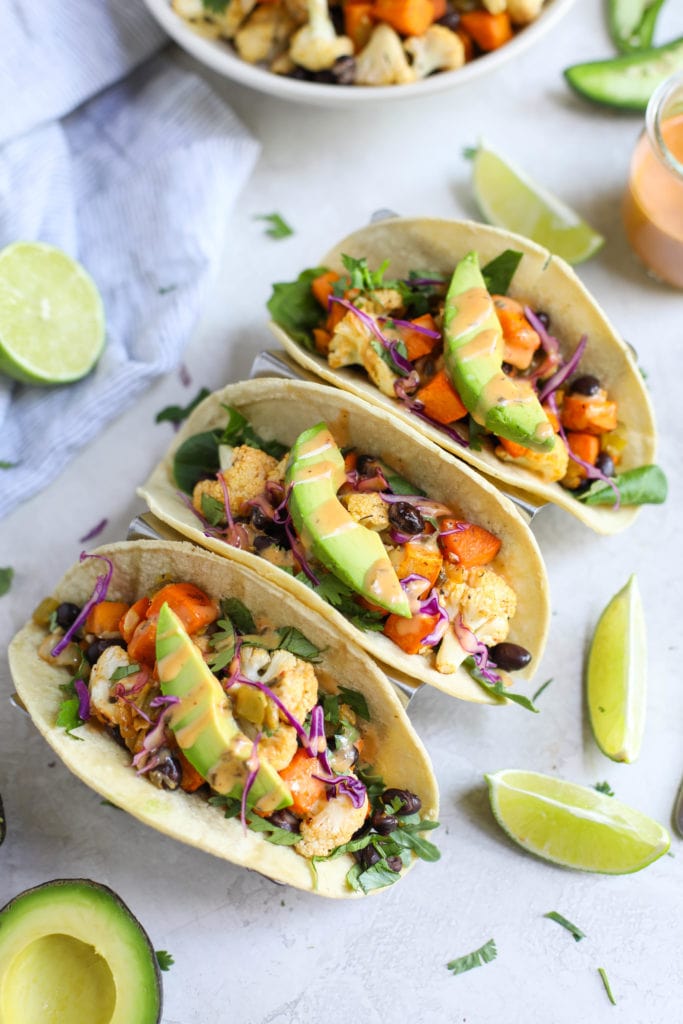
41	912
348	557
220	740
506	407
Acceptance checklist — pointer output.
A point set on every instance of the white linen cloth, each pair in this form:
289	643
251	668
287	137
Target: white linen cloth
137	183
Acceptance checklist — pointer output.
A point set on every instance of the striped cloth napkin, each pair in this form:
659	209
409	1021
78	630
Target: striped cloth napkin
137	182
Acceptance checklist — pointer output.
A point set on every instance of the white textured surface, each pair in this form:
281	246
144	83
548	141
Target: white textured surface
252	953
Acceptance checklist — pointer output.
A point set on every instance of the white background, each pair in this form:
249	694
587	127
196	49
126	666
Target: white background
249	952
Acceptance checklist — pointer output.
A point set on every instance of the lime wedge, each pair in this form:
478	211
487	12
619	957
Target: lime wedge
51	315
573	825
617	676
510	200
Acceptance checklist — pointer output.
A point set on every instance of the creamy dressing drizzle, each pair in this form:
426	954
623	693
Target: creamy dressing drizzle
474	308
381	581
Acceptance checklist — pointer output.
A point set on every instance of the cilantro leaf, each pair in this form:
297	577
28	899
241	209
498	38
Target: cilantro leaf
295	309
124	671
213	510
497	689
604	787
68	717
273	833
294	641
341	597
215	6
476	433
484	955
238	430
360	275
499	272
356	701
576	932
6	577
238	614
376	877
164	959
469	152
178	413
4	464
279	228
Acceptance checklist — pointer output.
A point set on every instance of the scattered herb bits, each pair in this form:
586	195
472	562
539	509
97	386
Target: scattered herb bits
278	226
553	915
484	955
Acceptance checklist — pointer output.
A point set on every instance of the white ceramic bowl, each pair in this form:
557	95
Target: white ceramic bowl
220	56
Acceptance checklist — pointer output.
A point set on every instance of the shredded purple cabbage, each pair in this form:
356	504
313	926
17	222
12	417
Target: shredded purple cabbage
147	757
564	371
164	700
424	505
98	595
418	328
184	375
459	527
83	694
549	344
432	606
402	365
95	532
479	651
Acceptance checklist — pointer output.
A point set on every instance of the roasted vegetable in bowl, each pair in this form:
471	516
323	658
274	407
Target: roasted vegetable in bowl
360	42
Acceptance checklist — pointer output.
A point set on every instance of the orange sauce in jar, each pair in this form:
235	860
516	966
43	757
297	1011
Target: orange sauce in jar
653	204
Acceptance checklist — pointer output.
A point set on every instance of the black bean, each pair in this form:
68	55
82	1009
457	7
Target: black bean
344	70
367	856
261	542
167	773
406	518
300	73
450	20
507	367
582	486
384	823
286	820
394	863
544	318
66	614
605	463
366	465
586	385
409	802
363	830
97	647
259	519
337	18
510	657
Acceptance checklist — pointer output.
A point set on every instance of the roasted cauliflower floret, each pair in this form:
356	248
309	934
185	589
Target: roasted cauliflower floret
550	466
292	679
333	825
316	46
522	12
351	345
438	49
246	477
380	302
383	60
280	748
495	6
265	33
224	23
103	702
368	509
483	599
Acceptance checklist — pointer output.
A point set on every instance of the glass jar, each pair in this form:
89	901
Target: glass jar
653	204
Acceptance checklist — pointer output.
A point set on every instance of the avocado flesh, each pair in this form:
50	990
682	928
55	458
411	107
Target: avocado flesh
70	952
473	353
351	552
204	726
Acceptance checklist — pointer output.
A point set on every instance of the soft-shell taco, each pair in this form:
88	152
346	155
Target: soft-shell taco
462	560
201	695
491	347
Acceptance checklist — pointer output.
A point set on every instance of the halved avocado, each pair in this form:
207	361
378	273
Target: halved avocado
70	952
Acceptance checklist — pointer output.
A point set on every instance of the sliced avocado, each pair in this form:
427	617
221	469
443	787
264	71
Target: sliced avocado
473	352
70	952
204	726
356	555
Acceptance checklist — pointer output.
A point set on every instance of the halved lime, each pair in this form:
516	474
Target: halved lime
573	825
510	200
51	315
616	676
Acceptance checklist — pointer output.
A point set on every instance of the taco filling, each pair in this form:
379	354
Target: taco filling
482	367
211	701
356	532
